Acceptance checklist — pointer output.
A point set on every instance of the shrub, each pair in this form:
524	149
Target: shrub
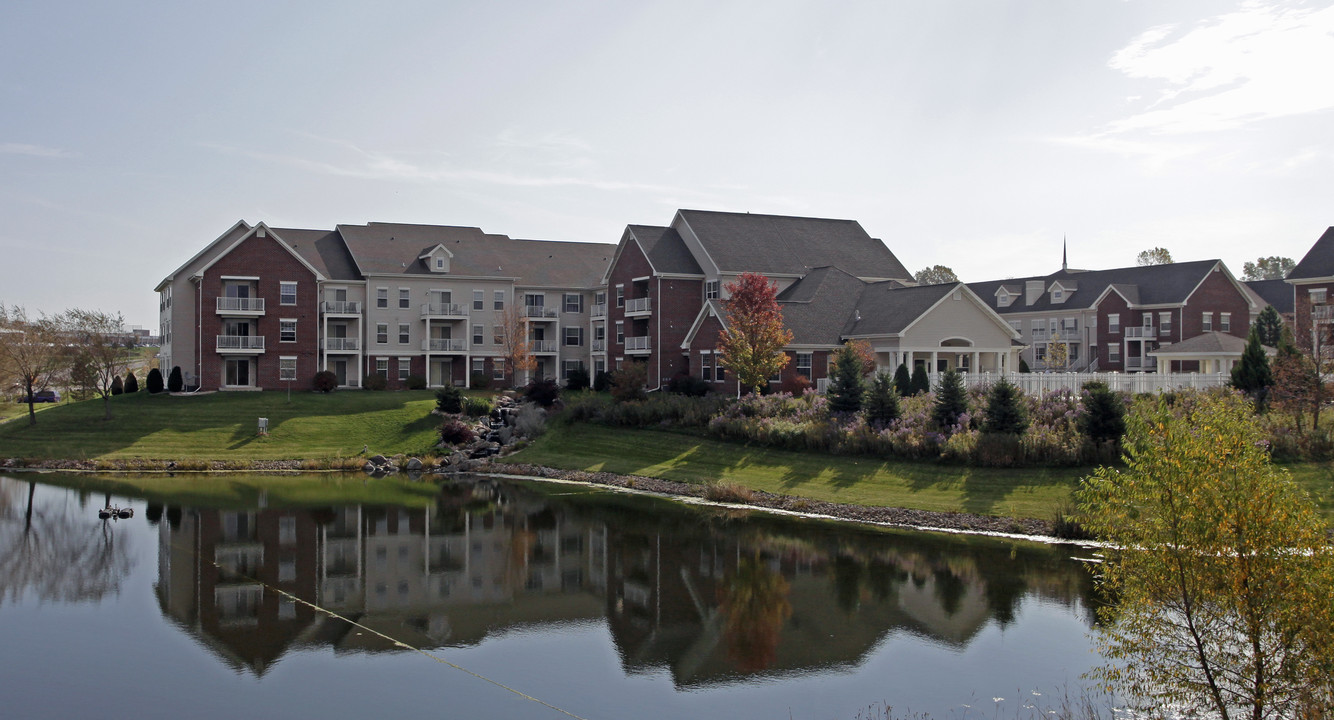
416	382
951	401
449	399
845	382
117	387
796	385
131	382
602	381
920	382
688	385
154	383
1005	410
1023	366
376	381
728	492
174	381
882	402
480	381
544	392
476	407
325	381
578	379
456	432
1103	419
903	380
628	383
531	420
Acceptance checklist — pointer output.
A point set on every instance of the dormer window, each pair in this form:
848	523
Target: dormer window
437	259
1057	295
439	263
1003	300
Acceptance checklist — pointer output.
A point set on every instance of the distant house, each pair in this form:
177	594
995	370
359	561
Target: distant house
1312	282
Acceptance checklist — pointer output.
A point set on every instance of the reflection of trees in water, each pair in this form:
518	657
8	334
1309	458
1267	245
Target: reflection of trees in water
56	551
754	599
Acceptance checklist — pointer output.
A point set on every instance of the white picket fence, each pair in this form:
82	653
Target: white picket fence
1037	383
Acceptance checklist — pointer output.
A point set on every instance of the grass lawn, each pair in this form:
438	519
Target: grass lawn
1034	492
222	426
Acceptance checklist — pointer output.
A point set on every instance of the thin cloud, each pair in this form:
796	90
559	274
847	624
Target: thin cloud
35	151
1235	69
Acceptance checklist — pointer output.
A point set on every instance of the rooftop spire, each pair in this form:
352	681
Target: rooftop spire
1063	254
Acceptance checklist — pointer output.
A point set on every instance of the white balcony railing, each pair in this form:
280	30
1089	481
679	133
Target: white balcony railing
443	310
342	344
1322	313
544	346
637	344
341	307
1140	332
240	342
239	304
538	311
1135	363
599	346
638	305
444	345
597	311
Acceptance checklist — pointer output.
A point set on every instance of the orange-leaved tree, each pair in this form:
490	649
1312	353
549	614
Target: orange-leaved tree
752	341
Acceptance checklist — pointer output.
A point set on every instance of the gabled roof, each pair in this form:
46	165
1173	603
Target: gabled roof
1210	343
322	250
778	245
666	251
889	309
240	229
1275	292
1167	284
1318	262
815	307
263	231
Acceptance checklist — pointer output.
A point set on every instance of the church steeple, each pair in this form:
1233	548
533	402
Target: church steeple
1064	266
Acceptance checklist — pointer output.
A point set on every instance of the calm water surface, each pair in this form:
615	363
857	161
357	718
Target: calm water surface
599	604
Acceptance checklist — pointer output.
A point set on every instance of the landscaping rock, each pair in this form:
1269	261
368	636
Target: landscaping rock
413	465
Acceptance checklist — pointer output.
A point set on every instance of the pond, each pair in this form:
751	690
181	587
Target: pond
487	599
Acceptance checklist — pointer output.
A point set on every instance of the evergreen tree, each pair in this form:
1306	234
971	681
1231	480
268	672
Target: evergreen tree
131	382
903	380
920	382
1023	366
1103	419
1252	375
882	400
155	384
1005	410
951	400
845	382
117	387
1270	324
174	381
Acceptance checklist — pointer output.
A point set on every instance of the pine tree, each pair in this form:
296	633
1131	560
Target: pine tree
882	400
1271	326
174	381
154	382
1252	375
131	382
920	382
845	382
117	387
1005	410
903	380
951	400
1103	419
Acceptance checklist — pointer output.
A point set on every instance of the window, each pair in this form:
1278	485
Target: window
287	331
574	336
1317	296
404	334
718	368
498	335
1039	329
1057	295
287	368
1225	322
1207	322
382	366
500	300
381	333
1165	323
478	366
404	298
1040	352
287	293
382	297
478	299
439	263
1113	323
706	365
620	333
1018	326
1003	300
574	303
404	368
498	369
570	367
620	296
1070	327
1073	350
478	334
711	289
1113	353
599	332
804	365
600	298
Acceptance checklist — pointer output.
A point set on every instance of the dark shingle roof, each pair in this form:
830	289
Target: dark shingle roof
780	245
395	249
666	251
1142	285
1205	344
323	249
815	307
1275	292
1318	262
887	308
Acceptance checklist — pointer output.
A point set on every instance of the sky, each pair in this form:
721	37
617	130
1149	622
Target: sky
979	135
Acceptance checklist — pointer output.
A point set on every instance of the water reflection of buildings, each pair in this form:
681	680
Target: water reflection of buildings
707	598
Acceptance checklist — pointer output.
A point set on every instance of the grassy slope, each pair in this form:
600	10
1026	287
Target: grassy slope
1034	492
223	426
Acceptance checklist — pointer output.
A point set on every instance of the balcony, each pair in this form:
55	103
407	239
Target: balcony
343	344
638	306
544	346
638	345
444	345
599	346
248	344
1139	363
538	312
340	307
1140	332
1322	313
444	310
249	307
597	311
